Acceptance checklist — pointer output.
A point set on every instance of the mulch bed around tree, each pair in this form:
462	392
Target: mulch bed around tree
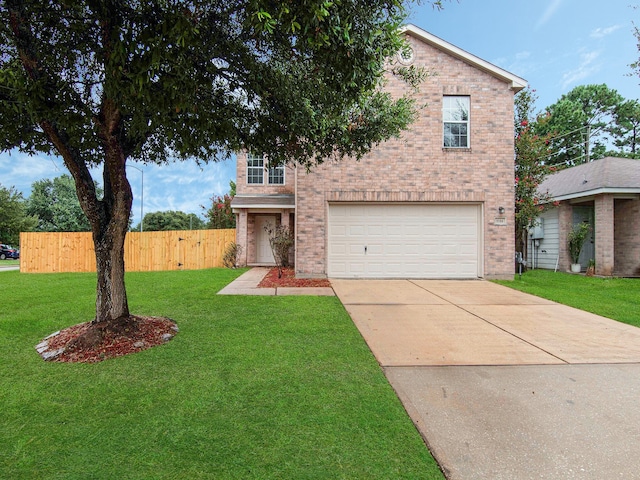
146	332
289	279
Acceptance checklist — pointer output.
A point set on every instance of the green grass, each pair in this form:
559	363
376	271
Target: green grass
251	388
616	298
9	262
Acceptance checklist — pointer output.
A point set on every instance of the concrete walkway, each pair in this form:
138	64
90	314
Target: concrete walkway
505	385
8	268
247	284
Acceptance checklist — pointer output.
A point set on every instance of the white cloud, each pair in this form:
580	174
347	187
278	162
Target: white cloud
548	13
587	67
603	32
176	186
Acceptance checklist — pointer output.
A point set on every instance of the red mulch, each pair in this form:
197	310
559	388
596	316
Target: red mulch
147	332
289	279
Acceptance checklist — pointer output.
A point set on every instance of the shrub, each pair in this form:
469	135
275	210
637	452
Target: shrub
281	241
231	254
576	239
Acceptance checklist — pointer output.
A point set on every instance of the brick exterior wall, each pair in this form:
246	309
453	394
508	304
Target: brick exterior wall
416	167
242	187
627	235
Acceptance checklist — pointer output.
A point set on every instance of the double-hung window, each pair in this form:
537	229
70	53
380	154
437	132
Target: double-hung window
455	115
256	171
276	175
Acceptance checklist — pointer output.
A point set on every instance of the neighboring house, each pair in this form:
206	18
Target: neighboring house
604	193
436	203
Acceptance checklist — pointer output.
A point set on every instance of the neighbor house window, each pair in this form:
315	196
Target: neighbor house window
455	115
276	175
255	169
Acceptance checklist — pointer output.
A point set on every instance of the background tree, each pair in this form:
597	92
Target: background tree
101	82
220	215
635	66
170	220
579	123
532	151
56	205
625	129
13	216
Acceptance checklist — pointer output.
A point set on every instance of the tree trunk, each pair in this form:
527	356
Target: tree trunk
109	216
109	231
111	295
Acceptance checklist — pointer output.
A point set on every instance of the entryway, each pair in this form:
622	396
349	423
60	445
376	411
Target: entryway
264	254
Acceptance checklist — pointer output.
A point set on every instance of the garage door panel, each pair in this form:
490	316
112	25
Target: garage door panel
403	241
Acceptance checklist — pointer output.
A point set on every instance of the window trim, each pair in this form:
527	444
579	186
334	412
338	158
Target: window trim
271	172
257	168
466	123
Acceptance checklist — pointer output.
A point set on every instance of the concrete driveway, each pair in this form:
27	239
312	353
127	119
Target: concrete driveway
505	385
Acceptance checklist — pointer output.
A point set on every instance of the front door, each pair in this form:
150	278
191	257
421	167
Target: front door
584	214
264	255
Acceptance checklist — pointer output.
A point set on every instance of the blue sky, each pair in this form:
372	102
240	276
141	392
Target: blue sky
555	45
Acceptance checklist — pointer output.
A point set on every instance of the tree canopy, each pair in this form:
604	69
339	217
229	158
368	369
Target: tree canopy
102	82
13	216
55	204
170	220
579	124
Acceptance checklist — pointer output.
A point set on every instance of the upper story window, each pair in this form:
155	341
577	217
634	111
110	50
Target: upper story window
276	175
256	171
455	115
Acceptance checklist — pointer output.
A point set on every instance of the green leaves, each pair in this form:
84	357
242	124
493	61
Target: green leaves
13	216
578	118
56	206
201	79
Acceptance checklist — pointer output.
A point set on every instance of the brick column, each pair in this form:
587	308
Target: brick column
604	239
565	224
241	236
284	218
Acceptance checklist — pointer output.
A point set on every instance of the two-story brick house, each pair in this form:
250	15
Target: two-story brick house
436	203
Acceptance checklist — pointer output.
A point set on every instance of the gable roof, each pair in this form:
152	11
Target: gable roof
607	175
516	83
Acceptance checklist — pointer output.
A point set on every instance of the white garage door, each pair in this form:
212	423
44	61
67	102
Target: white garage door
404	241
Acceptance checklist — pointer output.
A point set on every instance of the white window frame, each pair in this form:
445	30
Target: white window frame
275	173
456	121
255	169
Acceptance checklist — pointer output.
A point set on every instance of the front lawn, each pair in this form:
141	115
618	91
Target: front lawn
251	388
616	298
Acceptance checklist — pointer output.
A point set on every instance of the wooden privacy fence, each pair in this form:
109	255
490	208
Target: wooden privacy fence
54	252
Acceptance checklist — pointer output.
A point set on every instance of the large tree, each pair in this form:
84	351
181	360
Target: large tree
99	82
13	216
578	124
625	129
55	203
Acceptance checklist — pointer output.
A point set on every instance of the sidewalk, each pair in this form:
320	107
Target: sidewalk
7	268
247	284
